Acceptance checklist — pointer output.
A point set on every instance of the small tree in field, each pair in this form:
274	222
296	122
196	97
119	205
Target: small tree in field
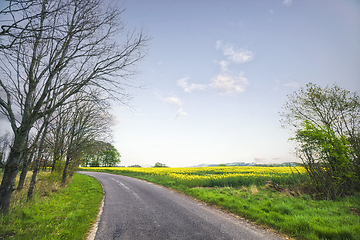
160	165
327	133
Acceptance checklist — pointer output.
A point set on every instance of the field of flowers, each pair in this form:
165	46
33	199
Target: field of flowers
211	176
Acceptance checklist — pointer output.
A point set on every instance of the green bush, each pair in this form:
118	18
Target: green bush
327	159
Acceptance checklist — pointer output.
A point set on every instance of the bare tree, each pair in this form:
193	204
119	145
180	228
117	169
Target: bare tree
56	139
30	152
28	157
36	165
90	121
51	50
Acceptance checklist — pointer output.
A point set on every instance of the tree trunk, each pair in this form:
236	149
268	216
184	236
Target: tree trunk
1	161
53	163
24	170
45	164
23	174
65	170
12	168
8	183
56	159
32	183
37	160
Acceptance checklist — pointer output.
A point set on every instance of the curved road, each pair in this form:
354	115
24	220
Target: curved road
135	209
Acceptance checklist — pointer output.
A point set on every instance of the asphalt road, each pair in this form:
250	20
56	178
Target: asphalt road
135	209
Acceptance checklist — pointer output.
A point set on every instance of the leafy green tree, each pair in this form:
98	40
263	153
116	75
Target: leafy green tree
109	156
106	156
327	130
327	159
135	165
160	165
94	162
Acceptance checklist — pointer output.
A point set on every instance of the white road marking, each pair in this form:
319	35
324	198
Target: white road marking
121	183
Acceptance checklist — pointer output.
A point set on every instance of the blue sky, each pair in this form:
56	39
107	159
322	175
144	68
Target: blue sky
218	73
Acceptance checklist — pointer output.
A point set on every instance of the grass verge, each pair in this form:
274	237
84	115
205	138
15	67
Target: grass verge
54	212
299	216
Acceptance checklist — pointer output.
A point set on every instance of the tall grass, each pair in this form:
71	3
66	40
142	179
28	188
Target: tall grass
55	212
299	217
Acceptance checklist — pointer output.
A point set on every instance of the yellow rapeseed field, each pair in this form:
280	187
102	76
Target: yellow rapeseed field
211	176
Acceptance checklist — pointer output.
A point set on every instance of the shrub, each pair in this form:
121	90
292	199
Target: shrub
327	159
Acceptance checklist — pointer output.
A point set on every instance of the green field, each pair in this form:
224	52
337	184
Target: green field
251	192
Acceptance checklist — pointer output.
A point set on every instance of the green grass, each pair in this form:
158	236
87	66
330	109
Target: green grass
300	217
54	212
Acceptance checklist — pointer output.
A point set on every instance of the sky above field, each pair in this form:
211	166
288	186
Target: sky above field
217	74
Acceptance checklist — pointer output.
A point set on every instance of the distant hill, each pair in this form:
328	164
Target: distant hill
285	164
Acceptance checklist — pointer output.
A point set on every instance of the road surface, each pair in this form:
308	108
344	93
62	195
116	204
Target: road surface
136	210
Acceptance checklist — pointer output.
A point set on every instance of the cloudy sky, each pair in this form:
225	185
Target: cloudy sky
218	72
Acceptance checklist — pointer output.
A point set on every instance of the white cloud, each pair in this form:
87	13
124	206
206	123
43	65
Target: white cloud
271	15
227	84
189	87
235	55
238	56
287	2
218	44
224	64
291	84
179	114
174	100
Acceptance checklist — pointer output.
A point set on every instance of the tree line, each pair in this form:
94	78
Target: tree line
62	63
